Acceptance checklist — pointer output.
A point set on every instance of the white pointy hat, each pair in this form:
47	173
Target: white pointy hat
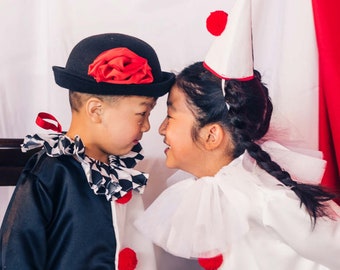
231	54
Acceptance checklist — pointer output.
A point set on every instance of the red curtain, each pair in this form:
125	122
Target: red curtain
327	26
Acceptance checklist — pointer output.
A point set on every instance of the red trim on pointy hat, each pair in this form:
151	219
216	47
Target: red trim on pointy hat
226	78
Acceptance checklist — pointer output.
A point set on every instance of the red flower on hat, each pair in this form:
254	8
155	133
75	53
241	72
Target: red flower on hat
120	66
216	22
211	263
127	259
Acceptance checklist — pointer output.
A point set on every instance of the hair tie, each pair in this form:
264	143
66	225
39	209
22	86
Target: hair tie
224	93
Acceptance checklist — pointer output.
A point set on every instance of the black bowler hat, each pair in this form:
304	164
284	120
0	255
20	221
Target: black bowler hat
75	76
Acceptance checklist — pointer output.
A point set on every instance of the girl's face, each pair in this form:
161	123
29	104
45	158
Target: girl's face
123	123
182	152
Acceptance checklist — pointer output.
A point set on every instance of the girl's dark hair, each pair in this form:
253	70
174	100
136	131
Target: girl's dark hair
247	119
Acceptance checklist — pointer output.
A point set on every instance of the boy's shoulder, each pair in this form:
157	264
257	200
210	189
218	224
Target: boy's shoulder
51	170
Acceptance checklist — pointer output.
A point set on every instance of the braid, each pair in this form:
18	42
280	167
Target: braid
249	117
311	196
246	118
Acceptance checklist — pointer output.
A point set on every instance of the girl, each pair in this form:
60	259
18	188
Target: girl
241	210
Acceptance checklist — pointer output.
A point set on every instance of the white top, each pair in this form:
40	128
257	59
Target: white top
245	214
123	216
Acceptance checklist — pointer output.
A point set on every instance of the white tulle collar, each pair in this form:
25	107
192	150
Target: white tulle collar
196	218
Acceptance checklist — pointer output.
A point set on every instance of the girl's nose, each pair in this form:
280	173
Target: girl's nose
162	127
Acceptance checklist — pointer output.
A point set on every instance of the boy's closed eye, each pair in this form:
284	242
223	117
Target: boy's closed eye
142	114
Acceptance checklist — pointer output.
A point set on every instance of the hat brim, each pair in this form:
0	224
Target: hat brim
75	82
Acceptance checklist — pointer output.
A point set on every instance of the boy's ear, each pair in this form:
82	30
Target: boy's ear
94	109
213	135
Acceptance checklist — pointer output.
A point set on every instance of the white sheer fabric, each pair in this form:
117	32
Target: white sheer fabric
38	34
242	213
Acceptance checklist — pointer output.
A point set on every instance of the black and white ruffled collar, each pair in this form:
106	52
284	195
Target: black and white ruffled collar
113	180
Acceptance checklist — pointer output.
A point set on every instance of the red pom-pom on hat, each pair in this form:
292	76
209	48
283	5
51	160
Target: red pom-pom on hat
211	263
216	22
127	259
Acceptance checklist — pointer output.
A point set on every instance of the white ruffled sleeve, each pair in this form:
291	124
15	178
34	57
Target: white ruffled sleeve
295	228
196	218
282	213
304	165
128	237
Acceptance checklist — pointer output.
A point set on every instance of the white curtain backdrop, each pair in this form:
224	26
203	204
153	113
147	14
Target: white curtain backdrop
37	34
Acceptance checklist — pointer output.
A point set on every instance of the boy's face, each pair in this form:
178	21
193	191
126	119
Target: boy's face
123	123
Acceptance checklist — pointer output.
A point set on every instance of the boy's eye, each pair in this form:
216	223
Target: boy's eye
142	114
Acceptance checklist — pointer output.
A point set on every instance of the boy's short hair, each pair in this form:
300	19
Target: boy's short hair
78	99
125	50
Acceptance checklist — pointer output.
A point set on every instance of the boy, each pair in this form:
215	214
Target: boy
75	200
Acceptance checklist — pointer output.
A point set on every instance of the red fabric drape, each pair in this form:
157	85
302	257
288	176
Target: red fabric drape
327	23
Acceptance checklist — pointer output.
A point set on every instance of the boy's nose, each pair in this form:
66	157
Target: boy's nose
146	125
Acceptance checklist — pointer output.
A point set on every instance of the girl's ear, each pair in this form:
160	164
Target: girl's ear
213	136
94	109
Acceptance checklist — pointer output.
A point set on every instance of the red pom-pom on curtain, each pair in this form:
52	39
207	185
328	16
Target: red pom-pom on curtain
216	22
211	263
127	259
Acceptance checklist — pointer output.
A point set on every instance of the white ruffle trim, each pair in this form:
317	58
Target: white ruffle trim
196	218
